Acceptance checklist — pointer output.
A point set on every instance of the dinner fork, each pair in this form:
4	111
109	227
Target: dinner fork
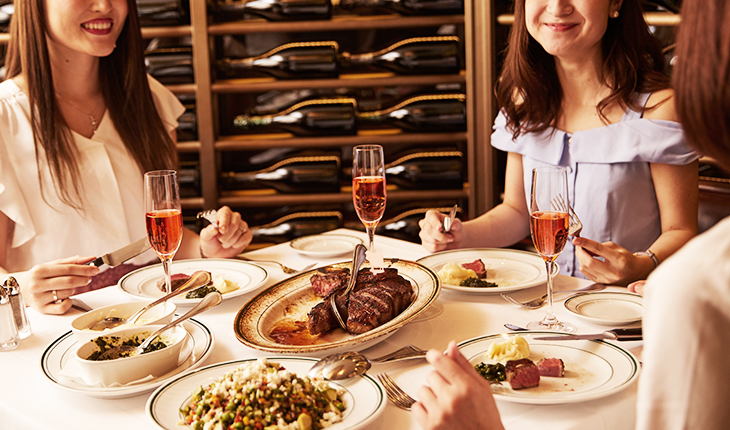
208	215
395	393
575	226
286	269
540	301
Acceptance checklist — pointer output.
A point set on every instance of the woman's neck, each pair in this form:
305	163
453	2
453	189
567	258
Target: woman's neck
75	74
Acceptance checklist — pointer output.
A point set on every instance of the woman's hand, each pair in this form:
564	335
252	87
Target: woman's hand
47	287
456	396
618	267
432	236
227	237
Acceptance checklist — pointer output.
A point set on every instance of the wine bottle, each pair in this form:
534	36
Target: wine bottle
425	113
293	175
273	10
407	7
672	6
427	170
411	56
309	118
296	224
293	60
170	61
163	12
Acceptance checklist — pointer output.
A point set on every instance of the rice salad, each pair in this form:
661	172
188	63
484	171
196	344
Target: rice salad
263	395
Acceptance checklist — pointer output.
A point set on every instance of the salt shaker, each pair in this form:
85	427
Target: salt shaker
8	330
18	305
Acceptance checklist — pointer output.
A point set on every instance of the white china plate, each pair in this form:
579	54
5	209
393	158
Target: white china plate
142	283
593	368
364	398
290	300
510	269
325	245
198	347
607	308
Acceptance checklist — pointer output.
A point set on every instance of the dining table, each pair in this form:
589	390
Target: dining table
30	400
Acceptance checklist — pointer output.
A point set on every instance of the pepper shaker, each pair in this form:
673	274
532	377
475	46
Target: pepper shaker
8	330
18	305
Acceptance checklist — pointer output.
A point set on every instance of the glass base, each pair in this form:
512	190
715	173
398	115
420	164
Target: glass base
554	326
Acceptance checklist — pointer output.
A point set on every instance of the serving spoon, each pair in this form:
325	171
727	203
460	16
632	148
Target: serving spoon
349	364
197	280
209	301
358	257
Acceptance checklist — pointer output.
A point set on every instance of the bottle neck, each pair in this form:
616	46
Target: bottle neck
369	57
401	109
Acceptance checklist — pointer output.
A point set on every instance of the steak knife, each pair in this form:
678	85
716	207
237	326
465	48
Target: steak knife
123	254
614	334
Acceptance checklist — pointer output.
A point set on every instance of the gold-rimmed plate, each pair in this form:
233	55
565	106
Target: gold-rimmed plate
290	300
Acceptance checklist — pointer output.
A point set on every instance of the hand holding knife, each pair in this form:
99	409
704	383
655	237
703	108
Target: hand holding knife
123	254
449	220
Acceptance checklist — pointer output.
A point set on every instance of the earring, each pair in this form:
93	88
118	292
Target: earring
614	14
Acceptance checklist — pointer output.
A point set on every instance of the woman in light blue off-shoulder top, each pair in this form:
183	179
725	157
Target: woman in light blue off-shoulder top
583	87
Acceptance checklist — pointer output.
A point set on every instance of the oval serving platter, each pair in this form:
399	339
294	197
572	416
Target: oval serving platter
292	298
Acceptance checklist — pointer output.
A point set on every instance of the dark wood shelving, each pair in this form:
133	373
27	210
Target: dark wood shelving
344	197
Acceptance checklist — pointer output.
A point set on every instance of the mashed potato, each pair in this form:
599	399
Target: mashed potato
512	348
453	274
224	285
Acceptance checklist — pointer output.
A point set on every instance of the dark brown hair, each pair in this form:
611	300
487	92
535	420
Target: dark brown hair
702	77
529	90
125	89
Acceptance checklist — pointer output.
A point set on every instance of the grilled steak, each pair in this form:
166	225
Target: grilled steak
522	374
328	279
375	300
478	267
551	367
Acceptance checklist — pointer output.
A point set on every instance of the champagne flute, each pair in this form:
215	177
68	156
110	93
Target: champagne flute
368	186
549	223
163	217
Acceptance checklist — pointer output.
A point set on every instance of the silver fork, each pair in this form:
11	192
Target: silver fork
396	393
208	215
575	226
540	301
285	269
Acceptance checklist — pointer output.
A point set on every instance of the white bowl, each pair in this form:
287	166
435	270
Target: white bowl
127	369
160	314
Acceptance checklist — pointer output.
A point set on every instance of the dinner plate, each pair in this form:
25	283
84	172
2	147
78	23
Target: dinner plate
593	368
510	269
607	308
197	348
142	283
325	245
291	299
364	398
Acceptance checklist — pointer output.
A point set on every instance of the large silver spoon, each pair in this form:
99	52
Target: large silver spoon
209	301
350	364
358	257
197	280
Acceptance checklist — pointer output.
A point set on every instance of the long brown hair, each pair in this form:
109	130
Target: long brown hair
702	77
529	90
125	89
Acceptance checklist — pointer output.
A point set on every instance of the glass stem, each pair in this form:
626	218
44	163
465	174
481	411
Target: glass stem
371	235
549	315
167	266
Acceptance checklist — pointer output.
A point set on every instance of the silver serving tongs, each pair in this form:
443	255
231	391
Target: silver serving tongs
358	257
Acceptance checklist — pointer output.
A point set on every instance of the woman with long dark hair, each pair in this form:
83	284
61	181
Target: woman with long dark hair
80	122
583	87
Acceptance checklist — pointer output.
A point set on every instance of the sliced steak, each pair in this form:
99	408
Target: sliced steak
478	267
551	367
329	279
321	319
522	374
377	299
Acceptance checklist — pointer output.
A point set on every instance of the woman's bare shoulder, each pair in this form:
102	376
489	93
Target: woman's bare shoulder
661	106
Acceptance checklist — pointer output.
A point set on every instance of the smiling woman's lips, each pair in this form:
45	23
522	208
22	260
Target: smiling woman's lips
561	27
98	26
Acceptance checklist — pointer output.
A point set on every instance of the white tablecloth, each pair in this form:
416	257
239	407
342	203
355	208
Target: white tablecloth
30	401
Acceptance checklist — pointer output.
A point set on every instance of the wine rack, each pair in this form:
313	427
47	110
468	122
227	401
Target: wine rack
205	148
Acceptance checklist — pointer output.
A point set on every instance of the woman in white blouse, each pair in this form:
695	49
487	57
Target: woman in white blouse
80	122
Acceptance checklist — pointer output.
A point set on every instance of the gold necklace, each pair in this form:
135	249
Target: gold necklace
92	118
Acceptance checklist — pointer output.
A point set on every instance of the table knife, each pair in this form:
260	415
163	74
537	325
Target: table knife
450	219
121	255
614	334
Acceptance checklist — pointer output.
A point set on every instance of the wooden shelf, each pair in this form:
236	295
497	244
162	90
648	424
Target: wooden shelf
386	79
661	19
303	199
240	143
337	23
173	31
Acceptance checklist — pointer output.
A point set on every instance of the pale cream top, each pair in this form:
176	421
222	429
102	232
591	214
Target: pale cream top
43	231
